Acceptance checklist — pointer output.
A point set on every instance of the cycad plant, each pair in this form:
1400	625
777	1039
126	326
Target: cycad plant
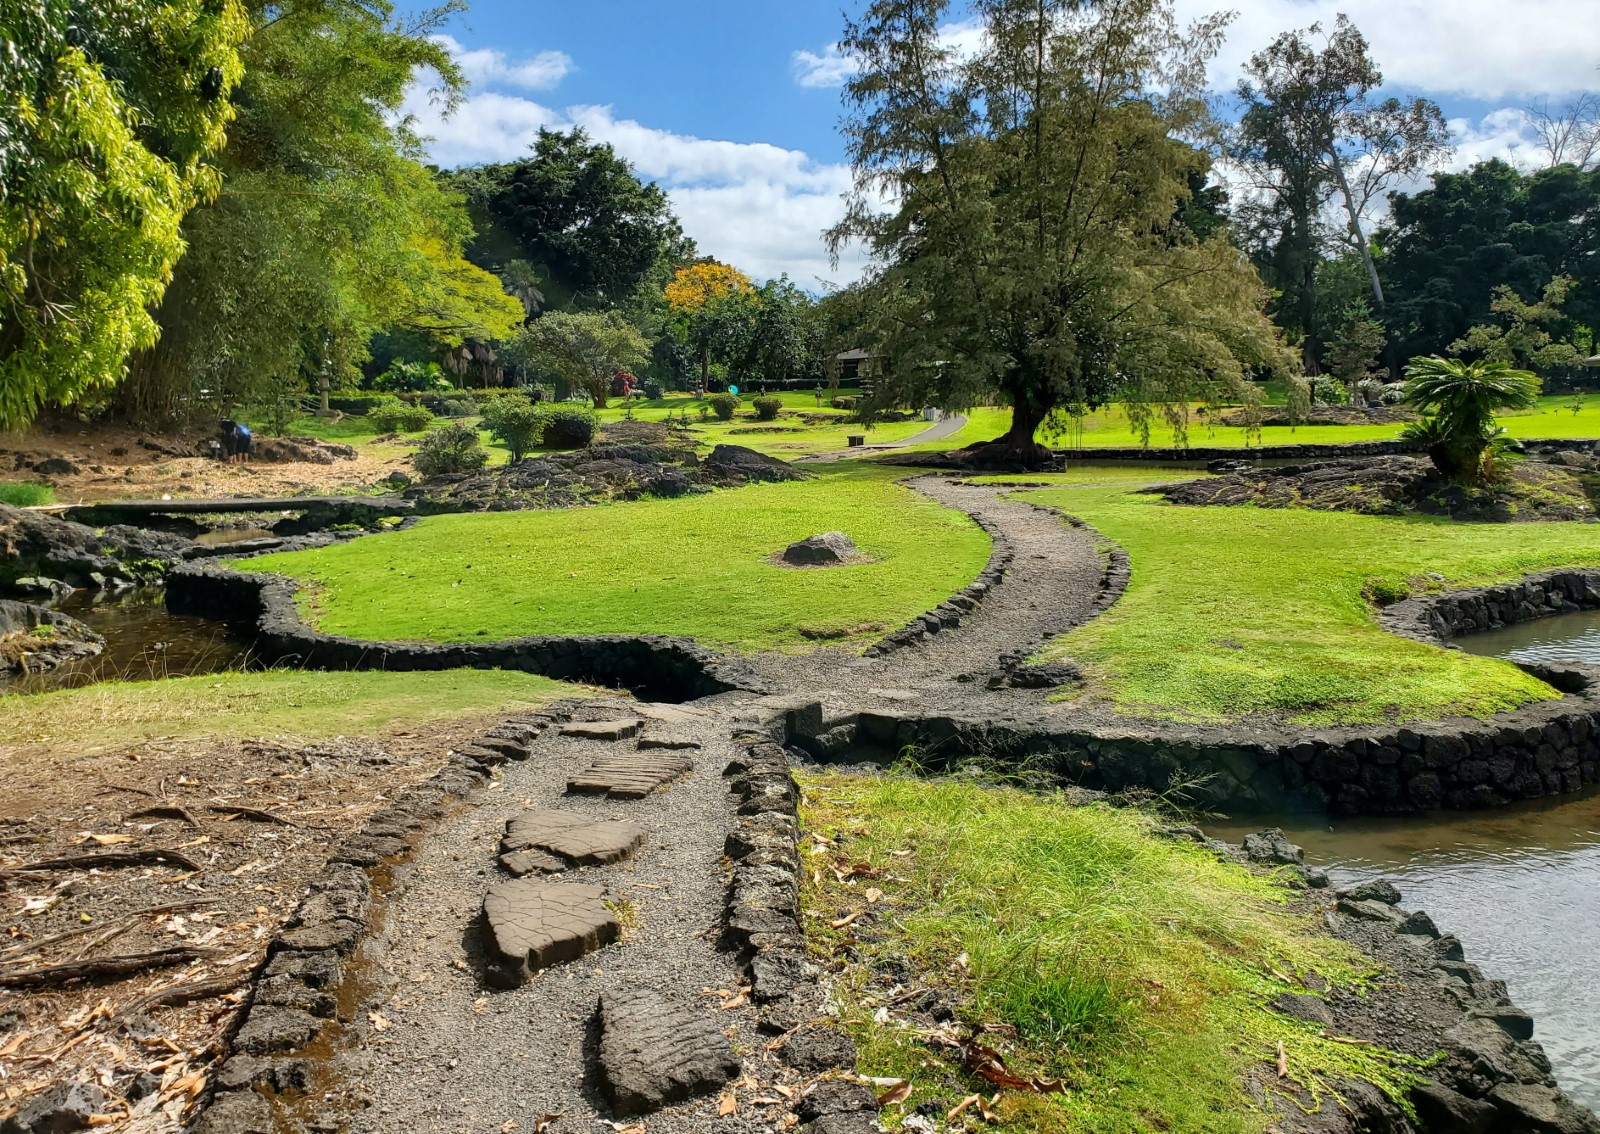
1458	401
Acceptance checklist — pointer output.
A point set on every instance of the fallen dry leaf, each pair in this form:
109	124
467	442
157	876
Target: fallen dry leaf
873	894
846	920
378	1020
110	840
899	1092
738	1001
728	1105
544	1122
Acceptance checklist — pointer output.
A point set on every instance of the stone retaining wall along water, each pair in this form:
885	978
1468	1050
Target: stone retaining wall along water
653	666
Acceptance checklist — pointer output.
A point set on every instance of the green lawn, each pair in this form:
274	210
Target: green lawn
1239	611
304	705
1077	943
696	566
21	494
1109	428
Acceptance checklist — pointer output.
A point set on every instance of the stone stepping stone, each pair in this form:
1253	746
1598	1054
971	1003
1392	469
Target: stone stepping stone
602	730
671	741
580	840
655	1051
518	863
670	714
534	924
631	775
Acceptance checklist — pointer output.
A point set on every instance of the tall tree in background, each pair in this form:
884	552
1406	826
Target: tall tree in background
1311	133
328	227
1031	250
580	215
585	348
697	297
111	114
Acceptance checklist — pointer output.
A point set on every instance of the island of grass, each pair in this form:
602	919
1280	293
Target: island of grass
1246	612
698	567
1127	976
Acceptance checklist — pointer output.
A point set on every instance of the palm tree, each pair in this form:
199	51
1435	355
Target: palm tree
1458	401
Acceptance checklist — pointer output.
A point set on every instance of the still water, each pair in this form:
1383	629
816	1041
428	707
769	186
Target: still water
1519	885
143	642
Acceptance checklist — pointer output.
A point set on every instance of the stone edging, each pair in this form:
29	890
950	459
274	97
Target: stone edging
948	614
764	923
1435	619
655	667
294	995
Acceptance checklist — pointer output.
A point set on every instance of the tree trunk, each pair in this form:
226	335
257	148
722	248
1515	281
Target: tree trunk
1016	448
705	369
1355	230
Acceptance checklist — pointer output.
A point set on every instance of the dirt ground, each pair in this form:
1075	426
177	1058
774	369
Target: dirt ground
228	833
116	462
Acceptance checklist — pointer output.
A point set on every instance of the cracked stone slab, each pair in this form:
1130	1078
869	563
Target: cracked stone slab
602	730
631	775
523	862
672	741
534	924
654	1051
577	838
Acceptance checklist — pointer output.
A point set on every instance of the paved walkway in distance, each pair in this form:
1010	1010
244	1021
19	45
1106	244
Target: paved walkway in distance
948	426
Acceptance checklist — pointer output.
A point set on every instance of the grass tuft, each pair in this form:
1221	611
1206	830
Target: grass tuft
20	494
1082	945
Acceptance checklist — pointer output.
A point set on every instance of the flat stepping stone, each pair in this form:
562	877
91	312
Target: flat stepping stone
534	924
519	863
669	714
671	741
576	838
631	775
602	730
655	1051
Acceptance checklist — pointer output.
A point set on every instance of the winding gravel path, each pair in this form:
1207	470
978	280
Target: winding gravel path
433	1049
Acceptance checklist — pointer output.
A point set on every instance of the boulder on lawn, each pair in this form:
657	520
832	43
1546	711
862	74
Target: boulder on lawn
734	464
830	549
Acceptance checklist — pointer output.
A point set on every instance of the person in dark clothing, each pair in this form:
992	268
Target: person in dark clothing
235	439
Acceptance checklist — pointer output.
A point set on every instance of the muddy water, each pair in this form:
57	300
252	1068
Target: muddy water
1559	638
143	642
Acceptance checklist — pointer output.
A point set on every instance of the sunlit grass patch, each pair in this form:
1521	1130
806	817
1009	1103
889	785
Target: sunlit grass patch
1085	948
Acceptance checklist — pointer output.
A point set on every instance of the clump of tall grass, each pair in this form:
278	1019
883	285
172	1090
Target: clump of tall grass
1136	968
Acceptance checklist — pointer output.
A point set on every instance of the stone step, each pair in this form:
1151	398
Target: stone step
532	925
602	730
578	839
631	775
655	1051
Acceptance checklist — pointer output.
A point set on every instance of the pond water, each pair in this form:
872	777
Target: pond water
1519	885
143	642
1558	638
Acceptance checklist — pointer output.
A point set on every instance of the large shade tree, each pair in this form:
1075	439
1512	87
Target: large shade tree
328	227
1033	247
111	114
584	348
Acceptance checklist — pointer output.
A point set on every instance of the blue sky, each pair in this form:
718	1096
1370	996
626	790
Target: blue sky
732	105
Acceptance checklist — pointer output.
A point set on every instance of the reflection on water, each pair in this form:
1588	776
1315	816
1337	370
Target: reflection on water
143	641
1519	885
1558	638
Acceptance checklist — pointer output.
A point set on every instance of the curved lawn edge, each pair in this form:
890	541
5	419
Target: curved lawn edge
654	666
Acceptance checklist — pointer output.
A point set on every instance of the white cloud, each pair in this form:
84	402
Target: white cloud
488	66
1480	49
833	68
760	207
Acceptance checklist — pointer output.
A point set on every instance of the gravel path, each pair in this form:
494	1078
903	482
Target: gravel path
436	1050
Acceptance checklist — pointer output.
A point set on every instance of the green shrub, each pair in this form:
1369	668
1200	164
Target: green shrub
653	390
358	404
1385	592
411	377
767	408
518	423
724	404
567	427
395	416
539	392
844	403
462	405
23	495
451	448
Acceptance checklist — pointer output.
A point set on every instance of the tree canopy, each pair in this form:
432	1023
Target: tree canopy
584	348
1035	248
580	215
111	114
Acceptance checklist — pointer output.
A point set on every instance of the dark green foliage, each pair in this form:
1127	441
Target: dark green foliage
577	212
358	404
652	390
462	406
767	408
724	405
452	448
568	427
404	377
1448	249
394	416
845	403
